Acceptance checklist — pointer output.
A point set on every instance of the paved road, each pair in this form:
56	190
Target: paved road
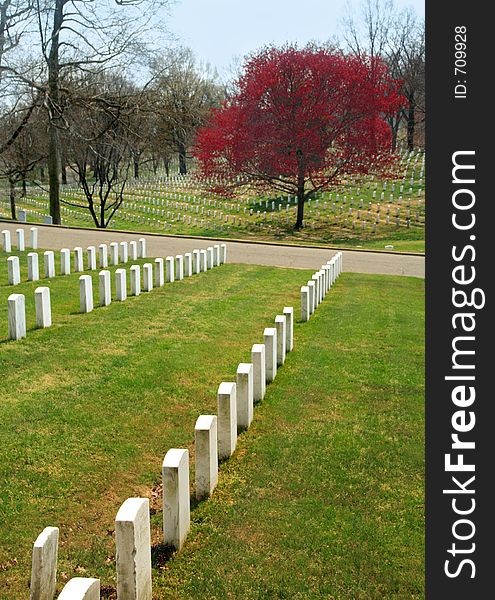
258	254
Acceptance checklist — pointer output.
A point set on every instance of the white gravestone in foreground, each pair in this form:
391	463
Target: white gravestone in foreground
120	285
123	252
142	248
244	395
179	267
91	258
159	272
223	253
147	277
176	503
209	257
188	264
196	264
14	270
103	256
33	266
227	419
281	327
289	339
81	588
34	238
65	261
105	288
6	241
259	375
133	550
203	260
86	293
135	280
206	453
305	308
169	269
43	307
44	565
16	316
114	253
312	294
78	260
133	250
49	260
270	338
20	240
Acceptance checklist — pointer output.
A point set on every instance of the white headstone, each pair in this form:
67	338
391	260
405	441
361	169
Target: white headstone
223	253
78	260
179	267
44	565
33	266
169	269
43	307
316	281
123	252
196	262
159	272
206	455
14	270
120	284
34	238
65	261
270	338
133	250
6	241
312	293
289	339
105	288
216	255
176	503
20	240
133	550
114	253
203	260
209	257
244	395
49	260
135	280
103	256
188	264
227	419
81	588
16	316
86	293
259	373
142	248
147	277
281	327
91	258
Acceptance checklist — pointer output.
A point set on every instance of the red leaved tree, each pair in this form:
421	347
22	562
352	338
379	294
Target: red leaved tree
299	120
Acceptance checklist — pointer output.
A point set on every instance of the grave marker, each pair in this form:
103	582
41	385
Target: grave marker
44	565
227	419
43	307
14	270
86	293
16	316
49	260
147	277
259	373
33	266
135	280
270	338
281	327
244	395
78	260
176	503
206	453
81	588
105	288
65	261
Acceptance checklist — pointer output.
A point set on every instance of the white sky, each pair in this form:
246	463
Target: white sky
219	30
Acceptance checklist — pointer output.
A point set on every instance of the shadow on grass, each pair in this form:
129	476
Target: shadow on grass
161	555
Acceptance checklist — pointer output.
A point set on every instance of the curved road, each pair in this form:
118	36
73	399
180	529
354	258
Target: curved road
50	237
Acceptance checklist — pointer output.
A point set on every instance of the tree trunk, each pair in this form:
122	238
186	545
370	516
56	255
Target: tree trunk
24	186
64	174
12	200
182	158
54	149
166	164
136	166
411	122
300	191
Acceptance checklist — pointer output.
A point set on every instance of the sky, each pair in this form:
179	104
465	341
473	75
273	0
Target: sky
219	30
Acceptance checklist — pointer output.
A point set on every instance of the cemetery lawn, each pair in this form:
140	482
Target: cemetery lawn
324	495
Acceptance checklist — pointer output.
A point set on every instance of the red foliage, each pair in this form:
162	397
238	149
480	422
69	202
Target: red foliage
301	119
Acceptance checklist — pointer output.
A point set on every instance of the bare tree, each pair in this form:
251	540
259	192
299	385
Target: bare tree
185	94
397	36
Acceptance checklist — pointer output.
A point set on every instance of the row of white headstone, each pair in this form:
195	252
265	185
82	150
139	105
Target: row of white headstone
21	244
176	268
122	252
315	291
215	439
154	275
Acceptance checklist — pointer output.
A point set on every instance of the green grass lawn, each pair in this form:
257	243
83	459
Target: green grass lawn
323	497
